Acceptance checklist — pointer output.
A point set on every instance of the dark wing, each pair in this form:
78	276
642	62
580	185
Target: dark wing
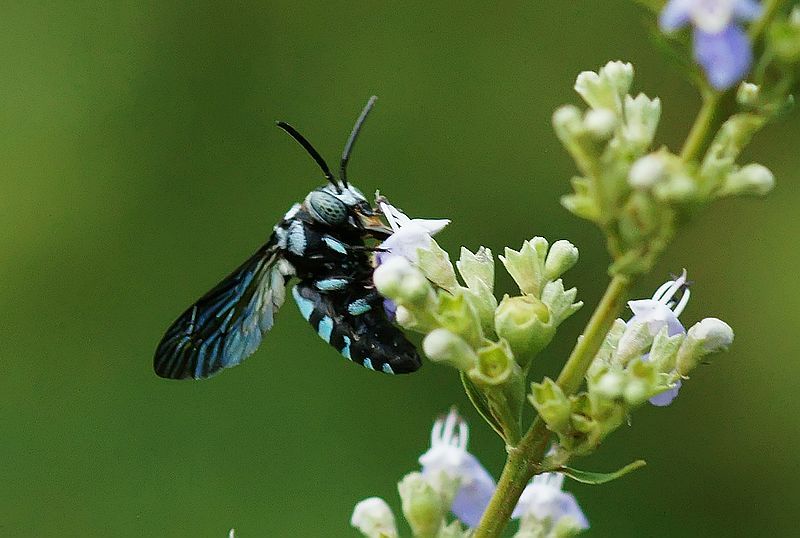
227	324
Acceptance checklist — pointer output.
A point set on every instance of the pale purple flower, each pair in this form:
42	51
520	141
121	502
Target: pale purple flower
409	235
544	500
448	454
662	311
721	46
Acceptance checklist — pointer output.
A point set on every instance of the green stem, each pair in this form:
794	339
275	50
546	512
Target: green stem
525	459
703	127
770	10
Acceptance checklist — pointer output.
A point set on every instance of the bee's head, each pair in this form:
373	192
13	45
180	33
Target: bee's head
340	204
345	207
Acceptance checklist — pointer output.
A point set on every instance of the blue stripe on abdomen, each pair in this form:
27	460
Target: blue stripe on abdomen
306	306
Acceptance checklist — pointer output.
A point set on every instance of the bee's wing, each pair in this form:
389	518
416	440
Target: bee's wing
227	324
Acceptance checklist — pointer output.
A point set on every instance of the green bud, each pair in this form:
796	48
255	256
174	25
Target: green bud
642	383
607	349
608	385
752	179
634	343
583	203
568	123
455	314
440	345
562	256
664	350
435	264
642	115
400	281
477	269
374	519
496	365
648	171
524	322
559	301
710	335
526	266
606	88
551	403
422	505
748	95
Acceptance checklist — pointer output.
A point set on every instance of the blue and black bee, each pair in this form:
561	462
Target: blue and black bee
322	243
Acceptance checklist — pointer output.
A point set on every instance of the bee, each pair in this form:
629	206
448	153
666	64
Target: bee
321	242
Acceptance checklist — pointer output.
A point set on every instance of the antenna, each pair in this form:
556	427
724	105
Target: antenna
311	151
348	147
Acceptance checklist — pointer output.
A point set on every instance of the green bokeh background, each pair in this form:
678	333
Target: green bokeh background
140	165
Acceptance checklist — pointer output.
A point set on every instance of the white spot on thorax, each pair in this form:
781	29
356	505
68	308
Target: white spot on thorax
297	238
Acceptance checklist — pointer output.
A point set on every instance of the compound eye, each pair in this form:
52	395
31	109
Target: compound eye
327	208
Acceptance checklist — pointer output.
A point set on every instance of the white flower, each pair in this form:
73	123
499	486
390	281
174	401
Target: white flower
448	455
543	500
409	234
374	519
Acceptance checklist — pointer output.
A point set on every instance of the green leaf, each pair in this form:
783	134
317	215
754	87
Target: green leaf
587	477
481	404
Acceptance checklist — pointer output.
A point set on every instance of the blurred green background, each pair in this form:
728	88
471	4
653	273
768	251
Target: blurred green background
141	165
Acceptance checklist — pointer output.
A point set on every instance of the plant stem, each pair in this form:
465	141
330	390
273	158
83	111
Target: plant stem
770	9
702	128
524	460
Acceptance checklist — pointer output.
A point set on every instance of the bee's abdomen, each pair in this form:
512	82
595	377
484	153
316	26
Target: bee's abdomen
353	321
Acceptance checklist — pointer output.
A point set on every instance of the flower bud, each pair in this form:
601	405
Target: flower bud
567	123
477	269
620	74
642	382
609	385
648	171
374	519
641	120
524	322
435	264
397	279
710	335
634	343
600	122
440	345
526	267
551	403
562	256
422	505
455	314
606	88
748	94
496	365
752	179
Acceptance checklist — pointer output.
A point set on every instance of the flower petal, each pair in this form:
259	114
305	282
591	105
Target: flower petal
725	56
666	397
747	10
674	15
656	315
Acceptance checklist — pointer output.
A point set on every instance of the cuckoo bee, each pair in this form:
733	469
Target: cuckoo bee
322	243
